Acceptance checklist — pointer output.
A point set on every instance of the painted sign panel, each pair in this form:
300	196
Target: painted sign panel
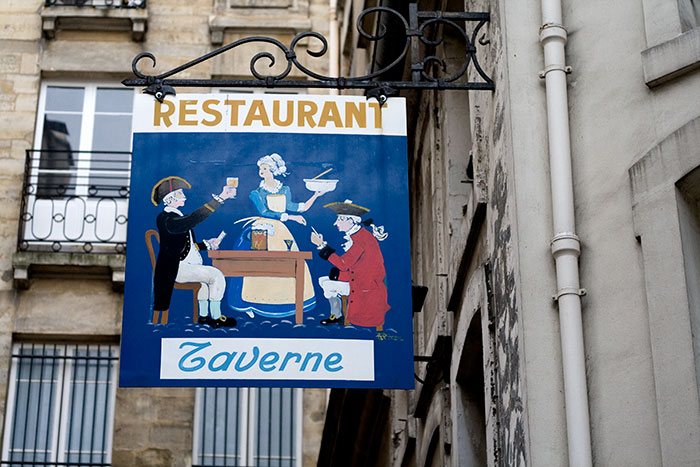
268	243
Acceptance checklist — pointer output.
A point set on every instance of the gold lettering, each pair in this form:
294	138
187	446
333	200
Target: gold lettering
276	113
257	112
358	112
330	112
377	114
159	115
307	113
209	110
184	112
234	105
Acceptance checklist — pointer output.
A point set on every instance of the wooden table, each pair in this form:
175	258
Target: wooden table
259	263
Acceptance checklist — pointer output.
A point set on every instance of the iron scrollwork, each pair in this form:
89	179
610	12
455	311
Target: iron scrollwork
424	31
97	3
66	207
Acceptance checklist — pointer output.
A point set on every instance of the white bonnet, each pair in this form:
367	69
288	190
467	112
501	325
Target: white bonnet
275	162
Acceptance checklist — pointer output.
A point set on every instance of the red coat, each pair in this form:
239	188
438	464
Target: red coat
363	267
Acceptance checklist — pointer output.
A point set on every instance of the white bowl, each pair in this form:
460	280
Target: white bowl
318	184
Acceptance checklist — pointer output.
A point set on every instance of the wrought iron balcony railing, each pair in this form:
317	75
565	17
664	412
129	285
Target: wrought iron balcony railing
74	201
97	3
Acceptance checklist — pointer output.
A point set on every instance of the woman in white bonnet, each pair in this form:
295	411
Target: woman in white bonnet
274	296
272	198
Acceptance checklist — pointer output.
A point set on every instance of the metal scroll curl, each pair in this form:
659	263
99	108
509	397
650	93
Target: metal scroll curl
424	31
469	47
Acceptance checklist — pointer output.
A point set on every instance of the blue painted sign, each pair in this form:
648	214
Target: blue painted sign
268	243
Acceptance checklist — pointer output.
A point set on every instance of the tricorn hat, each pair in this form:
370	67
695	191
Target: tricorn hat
346	208
165	186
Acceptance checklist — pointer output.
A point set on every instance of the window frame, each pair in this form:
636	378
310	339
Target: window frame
247	427
64	375
87	125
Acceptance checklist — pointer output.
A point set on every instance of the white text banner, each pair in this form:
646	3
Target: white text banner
267	359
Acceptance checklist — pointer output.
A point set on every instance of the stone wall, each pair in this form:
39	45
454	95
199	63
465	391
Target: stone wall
20	31
153	427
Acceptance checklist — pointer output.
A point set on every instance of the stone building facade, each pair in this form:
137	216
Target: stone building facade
490	378
59	296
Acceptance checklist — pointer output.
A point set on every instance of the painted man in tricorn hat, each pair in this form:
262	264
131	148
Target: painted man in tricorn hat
358	272
178	257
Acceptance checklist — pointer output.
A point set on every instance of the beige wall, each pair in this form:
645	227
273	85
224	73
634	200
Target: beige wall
153	427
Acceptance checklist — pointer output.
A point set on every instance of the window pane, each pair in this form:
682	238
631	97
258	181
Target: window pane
109	173
260	421
220	431
114	100
57	164
112	133
88	406
61	135
275	433
64	99
30	437
61	131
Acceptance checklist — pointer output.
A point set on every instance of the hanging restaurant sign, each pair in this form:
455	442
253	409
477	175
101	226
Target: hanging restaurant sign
268	243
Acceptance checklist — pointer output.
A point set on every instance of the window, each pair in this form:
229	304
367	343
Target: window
470	404
672	35
60	405
665	190
76	185
688	199
690	13
84	136
247	427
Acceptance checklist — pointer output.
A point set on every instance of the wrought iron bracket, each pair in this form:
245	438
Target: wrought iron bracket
443	361
424	31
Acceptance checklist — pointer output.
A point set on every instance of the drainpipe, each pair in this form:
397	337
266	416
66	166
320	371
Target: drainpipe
334	33
565	244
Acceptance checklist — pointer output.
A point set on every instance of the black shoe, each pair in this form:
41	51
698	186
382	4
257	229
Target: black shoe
223	322
332	320
204	320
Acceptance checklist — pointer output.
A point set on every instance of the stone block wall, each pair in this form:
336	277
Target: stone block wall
153	427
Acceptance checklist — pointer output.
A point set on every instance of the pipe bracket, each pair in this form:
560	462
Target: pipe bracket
553	30
566	242
565	68
546	26
569	291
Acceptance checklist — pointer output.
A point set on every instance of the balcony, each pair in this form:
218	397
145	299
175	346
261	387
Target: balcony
98	3
95	15
73	214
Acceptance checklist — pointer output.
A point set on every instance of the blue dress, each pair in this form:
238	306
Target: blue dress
269	296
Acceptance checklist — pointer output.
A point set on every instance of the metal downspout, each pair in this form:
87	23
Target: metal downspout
565	243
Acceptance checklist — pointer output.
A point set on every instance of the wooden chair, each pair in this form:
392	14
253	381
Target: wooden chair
193	286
